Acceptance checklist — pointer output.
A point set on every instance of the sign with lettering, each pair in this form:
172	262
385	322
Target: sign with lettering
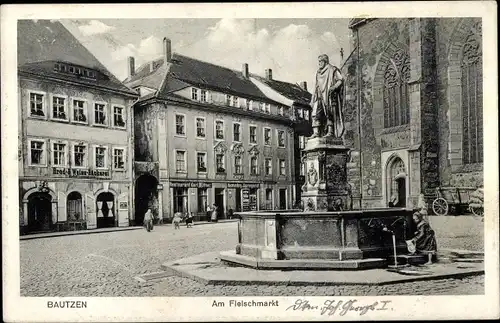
241	185
81	173
191	184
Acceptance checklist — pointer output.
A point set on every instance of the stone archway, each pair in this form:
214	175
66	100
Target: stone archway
396	182
146	196
39	208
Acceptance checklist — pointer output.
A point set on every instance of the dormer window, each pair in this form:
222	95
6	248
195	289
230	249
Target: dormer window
194	94
228	100
235	101
80	71
203	96
249	104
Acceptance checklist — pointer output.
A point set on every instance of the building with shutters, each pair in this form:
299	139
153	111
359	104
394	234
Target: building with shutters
418	86
75	134
206	134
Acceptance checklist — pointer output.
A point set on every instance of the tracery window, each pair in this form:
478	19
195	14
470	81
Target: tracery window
472	101
396	96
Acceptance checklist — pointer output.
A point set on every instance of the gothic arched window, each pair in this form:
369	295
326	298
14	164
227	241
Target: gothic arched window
396	96
472	101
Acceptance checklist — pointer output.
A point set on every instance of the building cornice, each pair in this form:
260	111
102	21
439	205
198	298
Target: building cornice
54	79
219	109
360	22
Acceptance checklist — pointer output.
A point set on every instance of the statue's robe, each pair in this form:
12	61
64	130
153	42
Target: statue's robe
327	102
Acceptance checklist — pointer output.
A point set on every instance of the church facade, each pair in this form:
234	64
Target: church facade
418	86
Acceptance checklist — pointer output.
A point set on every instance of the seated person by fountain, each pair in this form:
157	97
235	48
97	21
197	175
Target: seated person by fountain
425	239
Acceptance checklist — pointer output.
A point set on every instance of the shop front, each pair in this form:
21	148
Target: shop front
60	204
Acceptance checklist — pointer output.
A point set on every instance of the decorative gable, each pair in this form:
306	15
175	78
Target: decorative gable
220	147
237	149
254	151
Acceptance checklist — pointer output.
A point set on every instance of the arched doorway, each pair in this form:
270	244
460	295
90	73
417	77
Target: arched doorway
74	207
105	210
40	212
396	182
146	196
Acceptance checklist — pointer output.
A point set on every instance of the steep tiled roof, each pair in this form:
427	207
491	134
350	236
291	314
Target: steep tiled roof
184	71
42	43
291	91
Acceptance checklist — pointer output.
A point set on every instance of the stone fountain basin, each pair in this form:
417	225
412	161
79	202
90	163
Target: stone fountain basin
327	240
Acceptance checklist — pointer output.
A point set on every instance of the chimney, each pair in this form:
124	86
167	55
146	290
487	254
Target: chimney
151	66
244	70
167	50
303	85
131	66
269	74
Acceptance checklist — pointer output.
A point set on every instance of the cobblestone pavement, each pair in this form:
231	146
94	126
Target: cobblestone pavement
105	264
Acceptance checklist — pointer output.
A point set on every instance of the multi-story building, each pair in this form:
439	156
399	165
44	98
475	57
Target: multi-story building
297	99
75	139
205	134
420	95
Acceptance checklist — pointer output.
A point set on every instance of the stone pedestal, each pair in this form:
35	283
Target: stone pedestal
326	186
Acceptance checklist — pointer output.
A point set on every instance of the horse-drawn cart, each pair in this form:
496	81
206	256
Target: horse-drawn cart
458	199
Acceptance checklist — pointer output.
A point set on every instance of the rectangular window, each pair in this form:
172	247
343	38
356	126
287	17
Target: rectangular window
262	107
267	137
203	97
180	200
219	129
281	110
180	161
238	165
36	105
235	101
268	108
281	138
37	152
253	134
59	154
236	132
99	113
300	113
202	199
269	198
219	163
253	165
302	142
249	104
100	157
79	155
180	127
118	117
268	166
59	108
228	100
119	158
194	94
282	167
200	127
201	162
79	114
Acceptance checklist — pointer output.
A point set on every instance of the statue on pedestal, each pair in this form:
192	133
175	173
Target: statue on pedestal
327	101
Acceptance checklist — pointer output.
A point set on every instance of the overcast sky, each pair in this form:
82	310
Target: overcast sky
289	47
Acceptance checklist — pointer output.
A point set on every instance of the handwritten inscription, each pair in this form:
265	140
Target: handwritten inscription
341	308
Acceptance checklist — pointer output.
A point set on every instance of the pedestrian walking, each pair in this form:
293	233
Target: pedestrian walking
209	213
148	220
189	220
215	210
177	220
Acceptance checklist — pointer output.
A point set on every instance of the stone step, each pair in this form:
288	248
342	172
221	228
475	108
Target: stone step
408	259
457	254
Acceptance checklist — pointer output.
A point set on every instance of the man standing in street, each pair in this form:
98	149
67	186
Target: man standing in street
148	220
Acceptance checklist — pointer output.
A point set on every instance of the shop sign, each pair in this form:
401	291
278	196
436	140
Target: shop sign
81	173
191	184
241	185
